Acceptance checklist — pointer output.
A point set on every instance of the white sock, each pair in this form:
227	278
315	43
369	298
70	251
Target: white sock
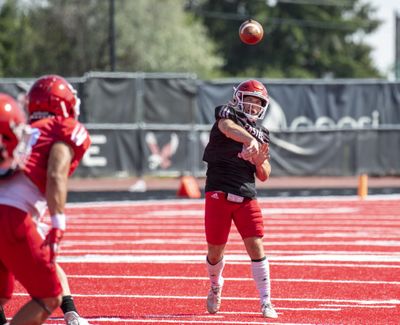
215	272
260	270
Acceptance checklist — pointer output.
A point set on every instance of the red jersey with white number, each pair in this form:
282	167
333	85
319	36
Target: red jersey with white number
47	132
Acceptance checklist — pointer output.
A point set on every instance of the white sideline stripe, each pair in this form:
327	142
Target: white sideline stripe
268	226
200	202
282	263
96	251
91	276
174	258
293	224
322	300
187	218
331	265
199	221
279	308
342	258
142	217
355	217
196	235
368	243
330	228
334	235
360	234
101	223
136	216
180	321
376	222
75	226
133	234
267	211
358	306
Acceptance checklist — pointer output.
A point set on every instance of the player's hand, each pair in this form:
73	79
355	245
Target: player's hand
53	240
249	150
262	156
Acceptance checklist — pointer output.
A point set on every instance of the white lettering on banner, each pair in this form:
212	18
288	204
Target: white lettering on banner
327	122
88	159
275	120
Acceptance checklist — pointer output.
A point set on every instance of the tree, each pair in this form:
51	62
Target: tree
158	36
68	37
302	40
72	37
10	28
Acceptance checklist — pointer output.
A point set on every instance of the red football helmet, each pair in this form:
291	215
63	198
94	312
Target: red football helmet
12	133
52	95
252	88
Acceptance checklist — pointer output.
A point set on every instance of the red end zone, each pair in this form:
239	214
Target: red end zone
333	261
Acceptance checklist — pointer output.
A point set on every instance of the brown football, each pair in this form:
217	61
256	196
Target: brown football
251	32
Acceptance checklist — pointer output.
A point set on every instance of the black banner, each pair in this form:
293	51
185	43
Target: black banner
315	104
159	124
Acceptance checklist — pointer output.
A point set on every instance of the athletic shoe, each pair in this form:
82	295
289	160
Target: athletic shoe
268	310
214	299
72	318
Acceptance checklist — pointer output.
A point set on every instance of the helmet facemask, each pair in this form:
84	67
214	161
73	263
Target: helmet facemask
12	159
76	108
23	149
251	110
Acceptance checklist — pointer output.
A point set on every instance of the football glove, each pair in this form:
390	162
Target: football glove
53	240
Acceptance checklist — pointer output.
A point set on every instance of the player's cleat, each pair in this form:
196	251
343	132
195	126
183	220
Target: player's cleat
72	318
268	310
214	299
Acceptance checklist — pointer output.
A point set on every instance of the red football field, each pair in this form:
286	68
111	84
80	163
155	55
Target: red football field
333	261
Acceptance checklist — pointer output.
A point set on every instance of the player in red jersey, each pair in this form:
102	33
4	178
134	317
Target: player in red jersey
237	152
16	228
13	135
58	142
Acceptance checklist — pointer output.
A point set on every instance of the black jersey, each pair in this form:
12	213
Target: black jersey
226	171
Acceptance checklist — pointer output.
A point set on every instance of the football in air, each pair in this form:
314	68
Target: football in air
251	32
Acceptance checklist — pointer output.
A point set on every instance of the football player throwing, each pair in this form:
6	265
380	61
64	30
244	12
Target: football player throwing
237	152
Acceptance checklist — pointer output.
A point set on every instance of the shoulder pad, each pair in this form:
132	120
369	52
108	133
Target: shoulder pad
225	111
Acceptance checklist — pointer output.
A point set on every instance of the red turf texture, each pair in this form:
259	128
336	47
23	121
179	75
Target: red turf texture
332	262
